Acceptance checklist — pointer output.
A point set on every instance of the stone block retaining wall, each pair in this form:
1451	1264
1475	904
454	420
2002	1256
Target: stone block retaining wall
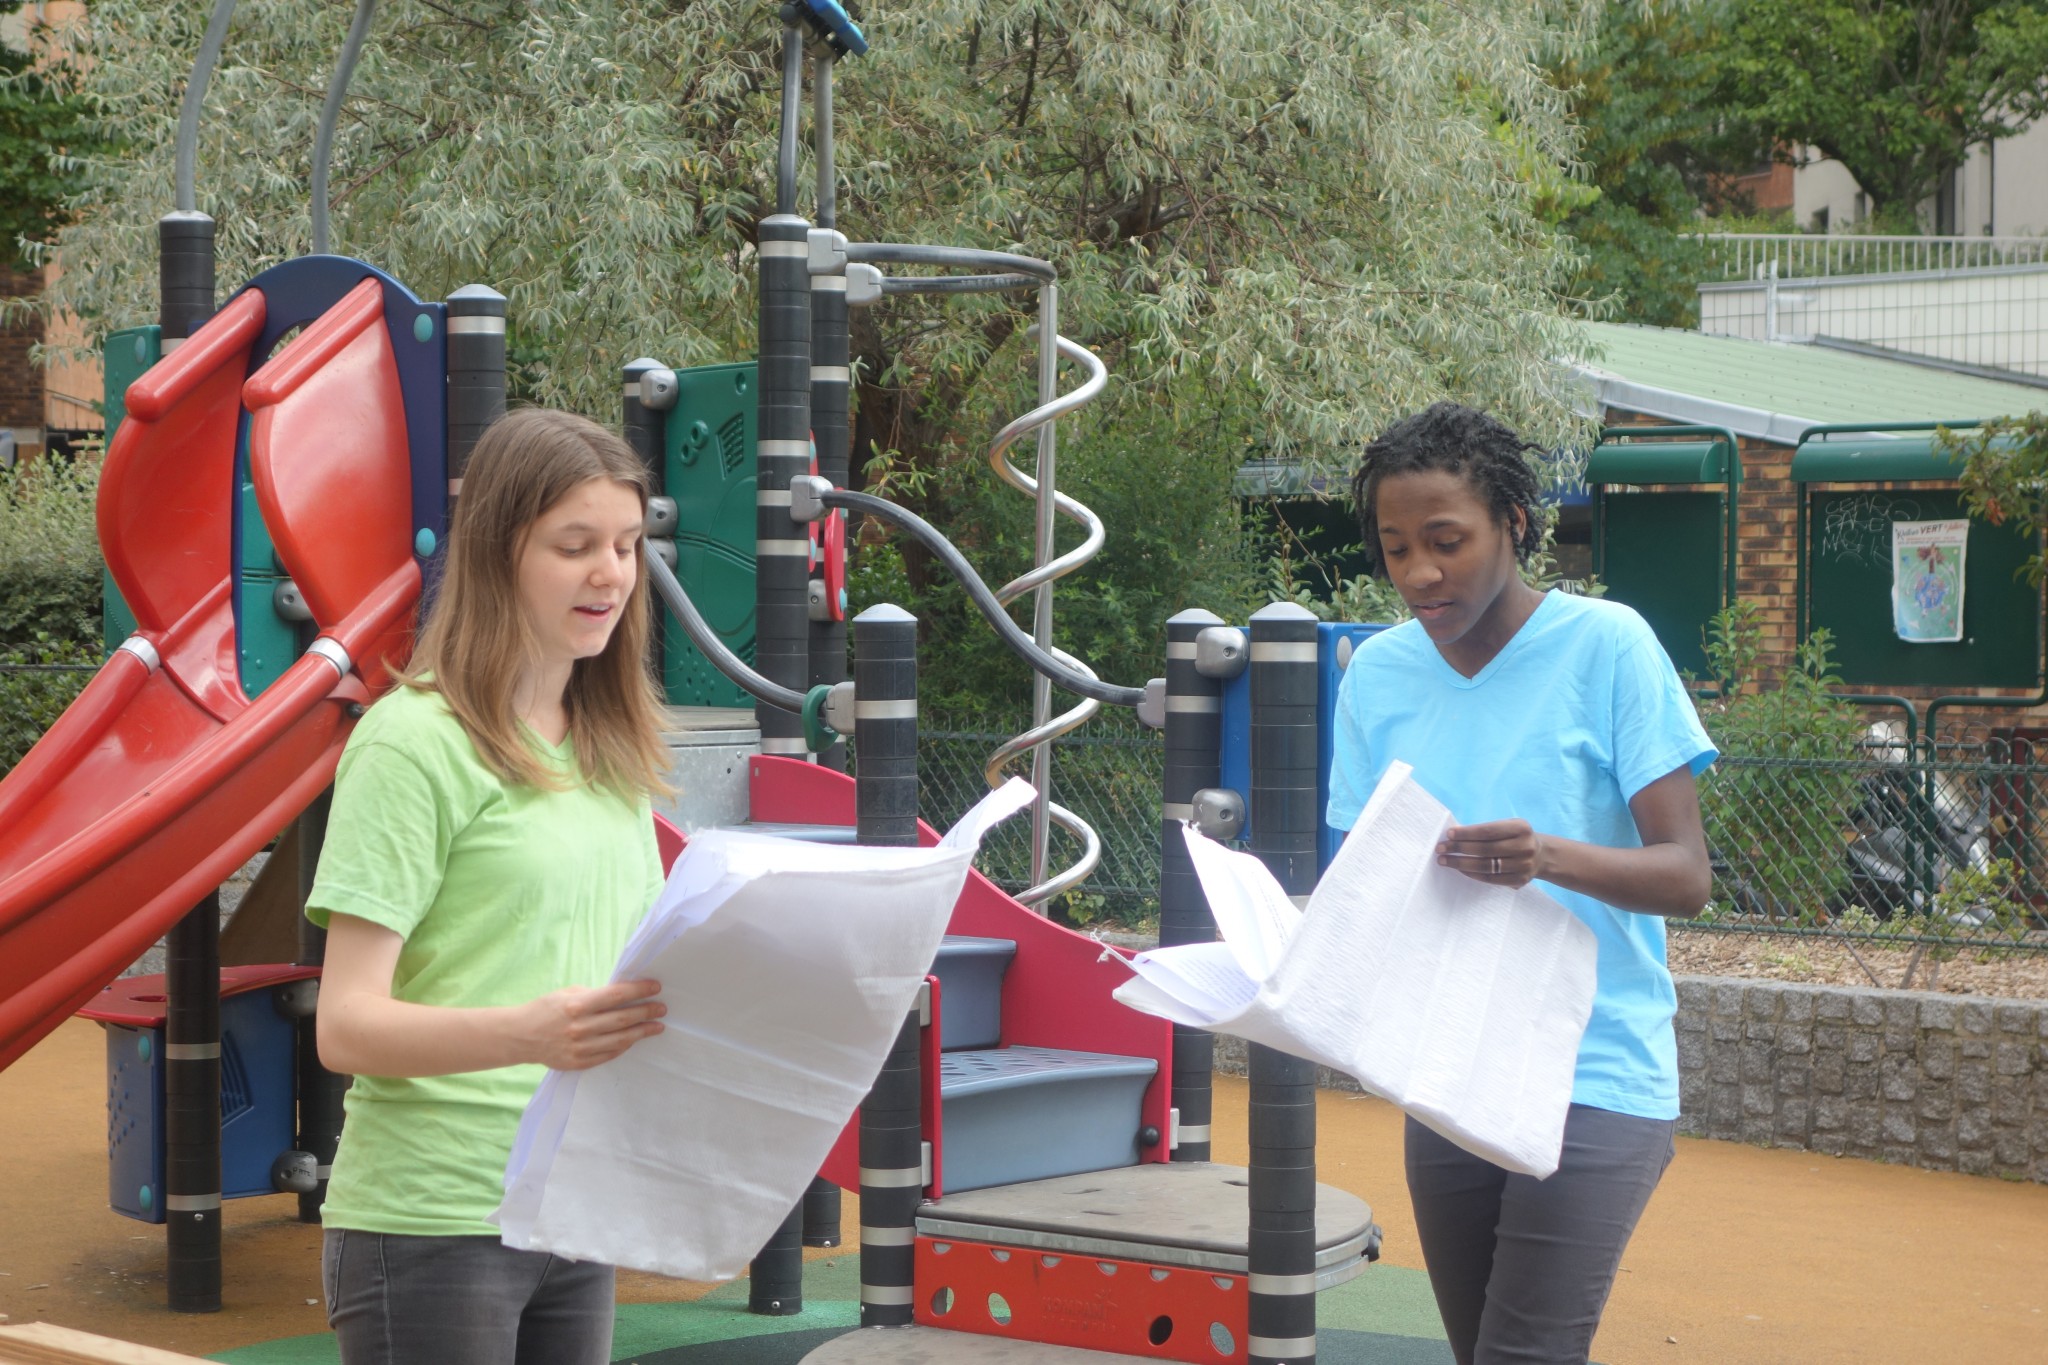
1948	1082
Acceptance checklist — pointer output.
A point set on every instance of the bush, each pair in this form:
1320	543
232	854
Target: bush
1776	805
49	596
49	553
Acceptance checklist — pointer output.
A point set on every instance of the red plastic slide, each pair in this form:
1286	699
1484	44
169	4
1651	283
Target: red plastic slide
163	777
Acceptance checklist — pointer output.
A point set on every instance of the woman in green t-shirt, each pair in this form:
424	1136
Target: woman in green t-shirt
489	851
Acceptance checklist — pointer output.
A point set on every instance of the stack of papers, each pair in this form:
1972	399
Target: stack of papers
1462	1003
787	968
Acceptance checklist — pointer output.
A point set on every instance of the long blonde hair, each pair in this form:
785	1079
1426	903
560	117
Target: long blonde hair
476	642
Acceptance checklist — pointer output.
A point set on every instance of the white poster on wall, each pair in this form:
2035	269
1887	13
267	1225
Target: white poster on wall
1927	580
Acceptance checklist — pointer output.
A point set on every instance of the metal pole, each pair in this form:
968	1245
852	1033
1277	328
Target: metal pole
782	550
1194	761
320	1090
831	390
184	275
476	374
1041	686
192	1109
885	812
1282	1195
645	430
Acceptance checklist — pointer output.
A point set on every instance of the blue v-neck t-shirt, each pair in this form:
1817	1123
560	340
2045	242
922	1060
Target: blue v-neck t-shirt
1579	711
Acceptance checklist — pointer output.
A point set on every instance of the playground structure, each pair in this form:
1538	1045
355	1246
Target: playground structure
1032	1161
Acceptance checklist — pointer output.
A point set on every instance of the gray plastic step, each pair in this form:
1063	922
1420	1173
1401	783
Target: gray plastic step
1182	1213
970	972
1030	1113
937	1346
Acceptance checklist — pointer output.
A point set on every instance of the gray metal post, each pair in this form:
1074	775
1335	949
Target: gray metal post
1282	1250
192	949
782	623
476	372
320	1090
184	275
1194	760
885	808
646	431
831	381
192	1109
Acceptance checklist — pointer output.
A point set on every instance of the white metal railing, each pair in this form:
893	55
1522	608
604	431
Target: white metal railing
1748	255
1993	318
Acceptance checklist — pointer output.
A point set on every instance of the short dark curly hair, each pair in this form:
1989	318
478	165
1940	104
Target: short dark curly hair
1459	440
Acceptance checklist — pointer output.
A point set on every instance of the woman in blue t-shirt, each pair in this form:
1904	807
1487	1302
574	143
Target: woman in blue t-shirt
1555	729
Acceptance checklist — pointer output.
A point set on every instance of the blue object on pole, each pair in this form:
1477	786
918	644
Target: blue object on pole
834	25
1334	642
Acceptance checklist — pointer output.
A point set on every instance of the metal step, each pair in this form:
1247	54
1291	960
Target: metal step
1030	1113
937	1346
970	972
810	834
1191	1214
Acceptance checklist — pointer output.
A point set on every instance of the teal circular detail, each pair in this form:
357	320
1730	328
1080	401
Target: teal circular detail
424	542
145	1197
142	349
142	1047
423	327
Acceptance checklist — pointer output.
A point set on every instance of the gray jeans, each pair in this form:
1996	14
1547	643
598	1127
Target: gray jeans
393	1300
1522	1267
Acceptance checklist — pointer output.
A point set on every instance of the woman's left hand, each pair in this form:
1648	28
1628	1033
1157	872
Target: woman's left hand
1499	852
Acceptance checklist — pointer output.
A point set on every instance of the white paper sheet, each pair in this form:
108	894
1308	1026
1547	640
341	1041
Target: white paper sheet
1461	1002
787	968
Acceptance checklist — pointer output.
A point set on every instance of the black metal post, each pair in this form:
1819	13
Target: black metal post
184	275
646	431
885	811
320	1090
476	373
192	1109
1194	760
1282	1251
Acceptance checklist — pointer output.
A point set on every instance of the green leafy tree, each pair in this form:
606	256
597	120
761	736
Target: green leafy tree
44	131
1295	218
2005	474
1659	148
1898	93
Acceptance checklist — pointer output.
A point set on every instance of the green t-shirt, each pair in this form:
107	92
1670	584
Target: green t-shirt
502	893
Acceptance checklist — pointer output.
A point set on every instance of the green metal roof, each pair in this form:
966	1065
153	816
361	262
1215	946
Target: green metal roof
1658	462
1774	391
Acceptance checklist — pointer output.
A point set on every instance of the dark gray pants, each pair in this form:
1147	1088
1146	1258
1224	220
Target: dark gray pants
1522	1267
394	1300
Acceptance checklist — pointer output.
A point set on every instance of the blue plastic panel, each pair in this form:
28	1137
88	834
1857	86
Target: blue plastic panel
1334	642
257	1056
1032	1113
970	972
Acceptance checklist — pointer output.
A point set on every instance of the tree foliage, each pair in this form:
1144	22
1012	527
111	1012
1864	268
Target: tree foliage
1897	92
43	131
2005	474
1287	220
1659	151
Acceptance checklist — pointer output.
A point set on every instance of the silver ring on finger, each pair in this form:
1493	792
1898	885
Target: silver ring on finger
1496	867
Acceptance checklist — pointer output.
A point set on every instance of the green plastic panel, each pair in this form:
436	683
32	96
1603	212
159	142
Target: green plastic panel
1873	459
265	643
711	475
1658	462
126	354
1663	556
1849	577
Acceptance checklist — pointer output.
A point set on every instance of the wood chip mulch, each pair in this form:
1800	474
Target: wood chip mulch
1833	962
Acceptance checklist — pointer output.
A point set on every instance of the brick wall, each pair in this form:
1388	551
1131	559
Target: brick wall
21	383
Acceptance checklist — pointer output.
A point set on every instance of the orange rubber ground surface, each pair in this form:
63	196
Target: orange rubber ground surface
1745	1255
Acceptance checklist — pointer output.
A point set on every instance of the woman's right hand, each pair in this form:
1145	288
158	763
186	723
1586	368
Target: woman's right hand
579	1027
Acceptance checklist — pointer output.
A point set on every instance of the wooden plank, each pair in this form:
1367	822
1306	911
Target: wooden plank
43	1343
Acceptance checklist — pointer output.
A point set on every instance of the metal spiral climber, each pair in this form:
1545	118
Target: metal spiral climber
1046	728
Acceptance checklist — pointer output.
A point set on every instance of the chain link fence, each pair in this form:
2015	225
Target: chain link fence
1929	844
1108	773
